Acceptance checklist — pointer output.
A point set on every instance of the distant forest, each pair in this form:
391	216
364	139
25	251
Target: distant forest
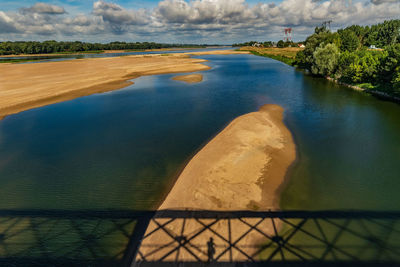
365	56
47	47
280	44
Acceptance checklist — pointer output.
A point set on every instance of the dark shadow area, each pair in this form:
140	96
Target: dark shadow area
199	238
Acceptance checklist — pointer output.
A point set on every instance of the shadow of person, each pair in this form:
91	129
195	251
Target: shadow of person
211	249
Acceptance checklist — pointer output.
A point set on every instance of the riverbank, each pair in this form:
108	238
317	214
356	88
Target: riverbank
27	86
102	52
286	55
241	168
375	93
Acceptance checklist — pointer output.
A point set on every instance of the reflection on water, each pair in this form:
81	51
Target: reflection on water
122	149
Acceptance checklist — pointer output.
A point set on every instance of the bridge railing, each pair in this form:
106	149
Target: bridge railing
141	238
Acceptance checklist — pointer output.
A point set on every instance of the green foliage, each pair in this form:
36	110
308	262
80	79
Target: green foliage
280	44
383	34
344	55
251	43
268	44
359	67
47	47
390	68
281	58
325	59
350	41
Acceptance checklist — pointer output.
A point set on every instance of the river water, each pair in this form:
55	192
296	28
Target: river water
123	149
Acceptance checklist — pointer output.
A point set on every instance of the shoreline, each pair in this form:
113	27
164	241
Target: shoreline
108	52
242	168
289	61
28	86
378	94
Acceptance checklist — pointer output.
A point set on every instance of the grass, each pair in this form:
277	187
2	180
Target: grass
286	55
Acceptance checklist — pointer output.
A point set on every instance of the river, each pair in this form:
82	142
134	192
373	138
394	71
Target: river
123	149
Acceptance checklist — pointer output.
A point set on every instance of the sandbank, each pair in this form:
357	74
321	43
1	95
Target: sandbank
190	78
241	168
26	86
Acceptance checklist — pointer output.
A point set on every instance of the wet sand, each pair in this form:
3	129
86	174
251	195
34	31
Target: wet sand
27	86
241	168
190	78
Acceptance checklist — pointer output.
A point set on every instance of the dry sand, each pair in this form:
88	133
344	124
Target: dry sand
190	78
26	86
241	168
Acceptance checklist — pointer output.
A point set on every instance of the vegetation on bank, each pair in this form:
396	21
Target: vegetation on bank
364	56
286	55
49	47
268	44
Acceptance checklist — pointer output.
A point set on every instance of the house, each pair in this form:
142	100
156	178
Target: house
302	46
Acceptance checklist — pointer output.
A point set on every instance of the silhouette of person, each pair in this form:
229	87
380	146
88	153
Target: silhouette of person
211	249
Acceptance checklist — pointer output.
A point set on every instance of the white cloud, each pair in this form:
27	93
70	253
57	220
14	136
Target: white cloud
194	21
44	8
7	24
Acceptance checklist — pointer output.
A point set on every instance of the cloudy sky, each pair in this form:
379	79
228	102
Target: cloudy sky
182	21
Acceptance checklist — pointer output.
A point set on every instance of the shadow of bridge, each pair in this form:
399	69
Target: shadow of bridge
198	238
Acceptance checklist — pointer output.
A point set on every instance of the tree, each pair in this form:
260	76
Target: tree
350	41
390	67
280	44
322	37
325	60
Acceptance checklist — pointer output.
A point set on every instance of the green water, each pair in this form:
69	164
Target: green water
123	149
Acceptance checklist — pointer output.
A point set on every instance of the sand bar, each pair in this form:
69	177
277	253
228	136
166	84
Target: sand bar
26	86
190	78
242	168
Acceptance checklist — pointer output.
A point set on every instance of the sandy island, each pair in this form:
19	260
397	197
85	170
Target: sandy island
242	168
190	78
27	86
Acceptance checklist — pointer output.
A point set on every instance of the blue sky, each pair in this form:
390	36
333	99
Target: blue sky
189	21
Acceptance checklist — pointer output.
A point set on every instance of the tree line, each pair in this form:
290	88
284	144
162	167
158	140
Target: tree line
267	44
46	47
366	56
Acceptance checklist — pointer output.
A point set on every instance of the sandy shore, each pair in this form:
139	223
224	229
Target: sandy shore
190	78
241	168
26	86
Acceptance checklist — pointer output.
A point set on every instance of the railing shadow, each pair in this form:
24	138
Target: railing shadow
198	238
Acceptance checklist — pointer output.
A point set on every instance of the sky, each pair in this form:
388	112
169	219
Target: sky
182	21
